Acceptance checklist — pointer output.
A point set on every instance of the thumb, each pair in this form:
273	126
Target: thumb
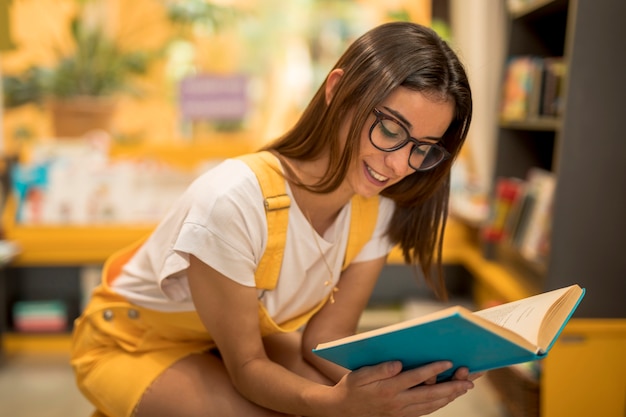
368	374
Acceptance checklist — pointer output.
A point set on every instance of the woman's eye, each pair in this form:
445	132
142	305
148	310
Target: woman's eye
422	150
391	130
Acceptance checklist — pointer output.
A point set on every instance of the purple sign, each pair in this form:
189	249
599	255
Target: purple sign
213	97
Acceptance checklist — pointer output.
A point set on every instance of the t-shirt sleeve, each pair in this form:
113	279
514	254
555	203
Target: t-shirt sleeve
224	227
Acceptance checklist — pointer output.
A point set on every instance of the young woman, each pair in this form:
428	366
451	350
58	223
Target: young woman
216	313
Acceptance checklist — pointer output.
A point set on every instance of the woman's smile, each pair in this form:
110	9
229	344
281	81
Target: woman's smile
378	178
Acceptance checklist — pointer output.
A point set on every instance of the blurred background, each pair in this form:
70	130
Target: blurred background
110	108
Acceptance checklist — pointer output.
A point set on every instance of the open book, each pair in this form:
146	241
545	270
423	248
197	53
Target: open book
507	334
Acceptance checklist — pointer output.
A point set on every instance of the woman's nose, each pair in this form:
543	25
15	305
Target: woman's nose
398	161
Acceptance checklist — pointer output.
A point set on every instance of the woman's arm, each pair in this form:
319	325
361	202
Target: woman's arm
230	313
340	319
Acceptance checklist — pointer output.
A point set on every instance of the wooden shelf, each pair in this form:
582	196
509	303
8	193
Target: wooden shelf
544	124
23	343
534	7
67	245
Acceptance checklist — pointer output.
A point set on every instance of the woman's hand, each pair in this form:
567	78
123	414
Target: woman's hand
462	374
384	390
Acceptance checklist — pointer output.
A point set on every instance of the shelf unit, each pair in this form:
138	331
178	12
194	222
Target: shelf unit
586	150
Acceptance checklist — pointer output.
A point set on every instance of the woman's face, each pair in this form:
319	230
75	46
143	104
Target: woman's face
425	118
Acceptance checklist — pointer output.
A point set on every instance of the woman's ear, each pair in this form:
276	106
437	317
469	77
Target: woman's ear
331	83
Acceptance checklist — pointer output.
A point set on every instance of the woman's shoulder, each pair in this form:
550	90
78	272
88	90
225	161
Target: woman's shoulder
225	189
230	177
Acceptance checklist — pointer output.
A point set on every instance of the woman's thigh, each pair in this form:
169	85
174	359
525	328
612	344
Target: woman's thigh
199	385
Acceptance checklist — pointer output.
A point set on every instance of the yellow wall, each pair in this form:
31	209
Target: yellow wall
39	29
36	34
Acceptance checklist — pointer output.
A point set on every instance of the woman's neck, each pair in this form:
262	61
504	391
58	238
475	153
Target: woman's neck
320	209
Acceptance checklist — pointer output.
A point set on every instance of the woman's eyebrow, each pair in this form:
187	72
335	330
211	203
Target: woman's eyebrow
399	116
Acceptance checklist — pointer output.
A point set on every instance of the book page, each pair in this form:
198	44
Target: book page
524	317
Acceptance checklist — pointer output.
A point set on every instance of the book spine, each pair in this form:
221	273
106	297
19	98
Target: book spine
543	184
532	88
517	87
507	192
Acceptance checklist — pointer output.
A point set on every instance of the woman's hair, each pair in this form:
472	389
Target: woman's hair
398	54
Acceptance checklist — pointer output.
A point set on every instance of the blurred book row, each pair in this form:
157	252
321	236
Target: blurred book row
77	183
520	214
533	88
40	316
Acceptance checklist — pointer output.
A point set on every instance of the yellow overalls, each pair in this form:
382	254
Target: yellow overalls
113	334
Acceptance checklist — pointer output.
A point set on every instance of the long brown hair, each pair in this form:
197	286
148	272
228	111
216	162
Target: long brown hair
398	54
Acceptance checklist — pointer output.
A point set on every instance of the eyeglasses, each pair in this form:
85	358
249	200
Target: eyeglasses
388	135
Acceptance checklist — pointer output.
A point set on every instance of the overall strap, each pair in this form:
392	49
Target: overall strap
362	224
268	171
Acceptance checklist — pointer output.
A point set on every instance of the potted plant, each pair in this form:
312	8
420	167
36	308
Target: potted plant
80	90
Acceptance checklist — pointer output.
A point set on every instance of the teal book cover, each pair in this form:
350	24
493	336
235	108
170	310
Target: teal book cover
479	341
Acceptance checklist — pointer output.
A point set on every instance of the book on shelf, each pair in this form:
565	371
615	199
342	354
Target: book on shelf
541	184
521	214
507	192
528	223
519	219
40	316
554	75
532	88
507	334
517	88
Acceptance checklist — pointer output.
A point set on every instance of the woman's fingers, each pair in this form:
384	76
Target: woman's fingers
385	387
423	375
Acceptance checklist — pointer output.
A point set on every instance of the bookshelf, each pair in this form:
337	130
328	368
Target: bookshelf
583	147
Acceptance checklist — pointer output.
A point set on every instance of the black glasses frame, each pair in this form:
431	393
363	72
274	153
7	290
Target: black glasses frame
380	116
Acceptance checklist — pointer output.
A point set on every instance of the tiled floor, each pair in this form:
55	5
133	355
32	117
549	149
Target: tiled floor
40	386
43	386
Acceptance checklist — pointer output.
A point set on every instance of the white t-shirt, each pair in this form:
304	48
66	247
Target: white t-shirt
221	220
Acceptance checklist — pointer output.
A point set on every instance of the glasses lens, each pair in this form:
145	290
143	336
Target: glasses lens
388	134
425	156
